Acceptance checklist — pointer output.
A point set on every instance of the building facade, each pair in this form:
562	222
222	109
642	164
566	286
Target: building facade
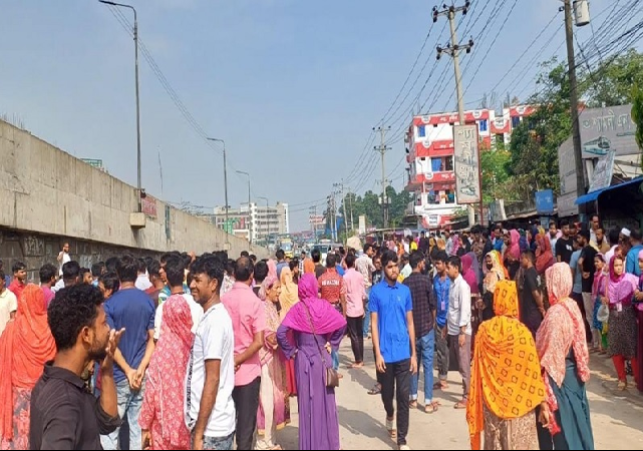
429	148
253	222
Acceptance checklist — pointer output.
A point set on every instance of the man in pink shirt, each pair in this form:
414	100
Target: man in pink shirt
48	280
355	295
249	323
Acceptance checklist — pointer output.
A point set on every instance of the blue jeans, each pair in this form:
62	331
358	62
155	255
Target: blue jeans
367	318
216	443
129	403
425	349
335	356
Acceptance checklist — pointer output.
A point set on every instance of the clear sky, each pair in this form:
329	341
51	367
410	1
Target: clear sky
293	86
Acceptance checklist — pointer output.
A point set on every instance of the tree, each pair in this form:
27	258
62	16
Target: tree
495	176
637	115
611	83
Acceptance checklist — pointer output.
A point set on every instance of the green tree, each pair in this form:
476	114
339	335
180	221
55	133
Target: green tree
495	176
611	83
637	115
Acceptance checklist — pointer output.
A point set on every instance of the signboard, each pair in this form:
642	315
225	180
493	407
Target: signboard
545	202
467	164
607	128
98	164
362	224
603	172
148	205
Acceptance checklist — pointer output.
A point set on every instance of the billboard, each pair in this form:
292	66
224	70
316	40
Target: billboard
467	164
545	202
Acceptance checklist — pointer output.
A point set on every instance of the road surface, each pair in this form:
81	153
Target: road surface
617	418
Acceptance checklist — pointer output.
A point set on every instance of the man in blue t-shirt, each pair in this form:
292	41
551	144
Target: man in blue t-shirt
393	332
133	310
441	289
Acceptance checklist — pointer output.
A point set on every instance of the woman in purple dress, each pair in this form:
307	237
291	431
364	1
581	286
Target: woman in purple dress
310	330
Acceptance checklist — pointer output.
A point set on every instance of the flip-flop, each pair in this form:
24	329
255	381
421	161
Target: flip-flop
440	386
460	406
432	408
375	391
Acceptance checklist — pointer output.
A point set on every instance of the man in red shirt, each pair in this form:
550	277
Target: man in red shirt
19	279
333	290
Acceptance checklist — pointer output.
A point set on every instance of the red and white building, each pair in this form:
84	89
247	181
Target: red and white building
429	147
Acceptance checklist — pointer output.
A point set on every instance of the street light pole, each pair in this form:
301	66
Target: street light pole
138	103
249	209
225	182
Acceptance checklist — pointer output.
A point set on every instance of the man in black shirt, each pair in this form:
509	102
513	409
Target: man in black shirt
423	319
532	308
586	262
565	244
63	414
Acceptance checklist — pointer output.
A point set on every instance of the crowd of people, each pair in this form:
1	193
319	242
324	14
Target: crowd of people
202	352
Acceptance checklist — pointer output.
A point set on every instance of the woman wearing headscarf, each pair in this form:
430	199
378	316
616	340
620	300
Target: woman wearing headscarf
494	274
506	385
622	325
316	328
598	292
512	254
456	244
562	349
544	256
274	398
162	420
26	344
289	292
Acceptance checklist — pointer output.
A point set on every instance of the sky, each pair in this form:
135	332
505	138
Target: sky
293	87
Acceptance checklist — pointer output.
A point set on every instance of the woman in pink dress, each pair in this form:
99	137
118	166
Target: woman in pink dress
162	413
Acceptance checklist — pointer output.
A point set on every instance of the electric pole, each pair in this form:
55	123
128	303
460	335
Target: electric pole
340	187
382	148
453	49
350	201
573	99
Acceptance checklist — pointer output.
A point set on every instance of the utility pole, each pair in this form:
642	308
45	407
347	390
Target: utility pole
573	99
453	49
350	201
340	187
382	148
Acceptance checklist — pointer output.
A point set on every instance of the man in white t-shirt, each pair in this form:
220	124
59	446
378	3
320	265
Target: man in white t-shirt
8	304
63	257
210	412
174	271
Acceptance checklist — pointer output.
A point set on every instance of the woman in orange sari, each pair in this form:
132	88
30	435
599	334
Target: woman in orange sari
26	344
506	385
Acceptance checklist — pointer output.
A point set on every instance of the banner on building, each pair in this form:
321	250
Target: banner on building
603	171
467	164
148	205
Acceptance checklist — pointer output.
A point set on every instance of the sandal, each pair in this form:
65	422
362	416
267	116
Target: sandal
622	385
432	407
392	432
377	390
460	405
413	404
441	386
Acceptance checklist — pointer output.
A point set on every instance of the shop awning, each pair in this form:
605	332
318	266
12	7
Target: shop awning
591	197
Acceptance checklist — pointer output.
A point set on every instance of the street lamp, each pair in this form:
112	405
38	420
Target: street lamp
225	181
138	105
267	214
249	209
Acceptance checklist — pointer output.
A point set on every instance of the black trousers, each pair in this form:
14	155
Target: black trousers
246	400
356	332
397	379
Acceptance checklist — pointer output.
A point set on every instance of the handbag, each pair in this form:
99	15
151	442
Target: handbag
332	378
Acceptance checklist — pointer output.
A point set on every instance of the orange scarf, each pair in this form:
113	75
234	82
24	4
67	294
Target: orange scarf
26	344
505	370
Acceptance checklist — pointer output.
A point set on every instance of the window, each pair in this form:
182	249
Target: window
421	131
484	125
515	121
448	163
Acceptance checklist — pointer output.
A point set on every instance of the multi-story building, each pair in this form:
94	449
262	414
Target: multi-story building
429	147
253	221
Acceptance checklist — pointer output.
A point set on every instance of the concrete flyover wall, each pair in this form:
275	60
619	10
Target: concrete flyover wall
47	196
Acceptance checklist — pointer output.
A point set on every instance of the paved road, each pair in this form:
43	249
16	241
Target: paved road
617	419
